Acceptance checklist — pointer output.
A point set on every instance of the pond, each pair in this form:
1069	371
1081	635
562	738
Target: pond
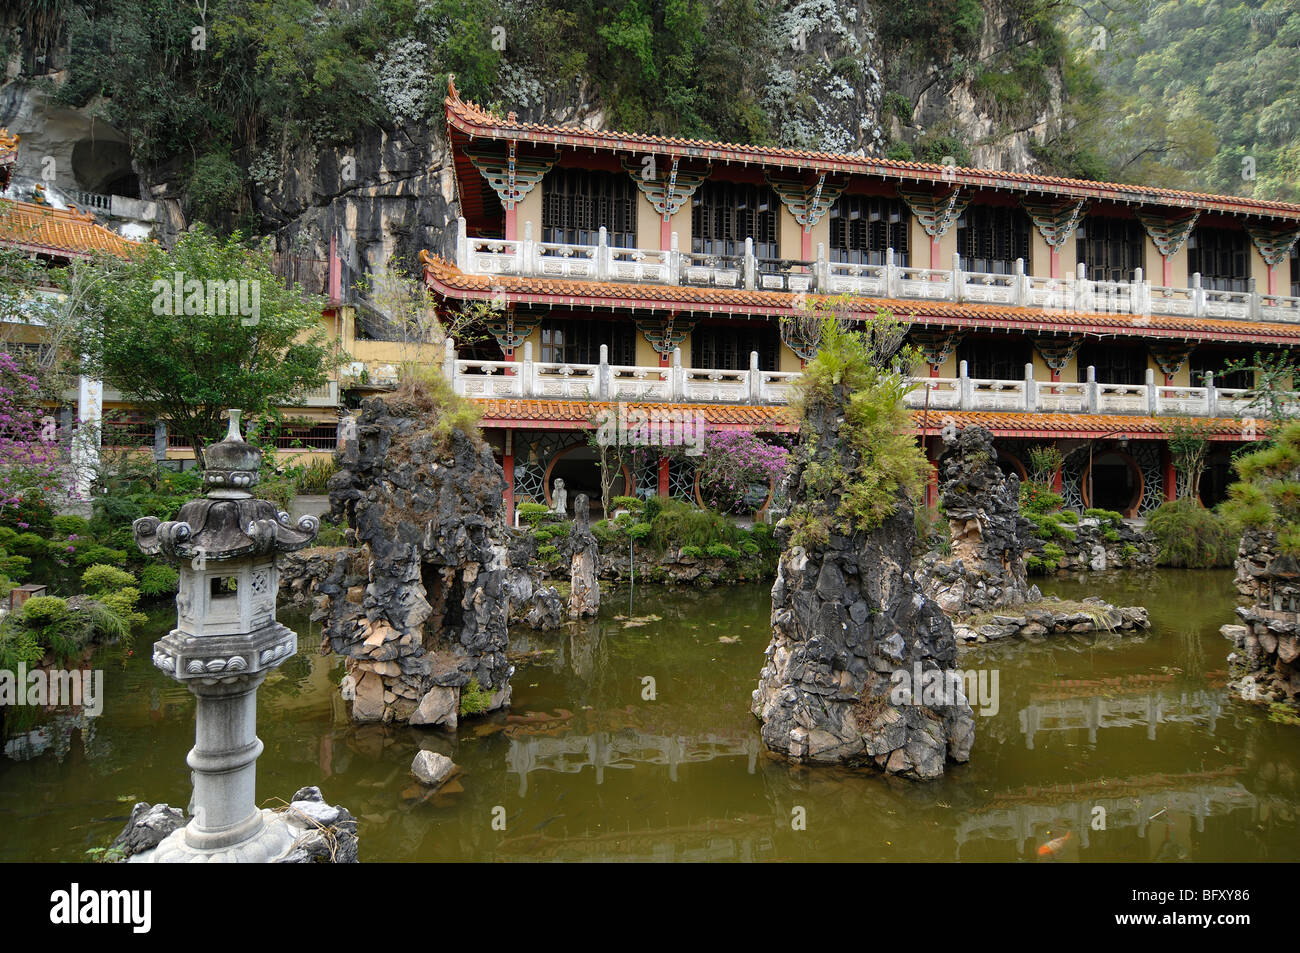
631	739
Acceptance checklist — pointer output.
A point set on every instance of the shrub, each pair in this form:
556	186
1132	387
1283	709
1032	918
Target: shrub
547	553
691	552
630	503
1068	516
1111	535
1106	516
749	549
722	551
122	604
1051	559
15	567
159	579
102	578
1038	499
680	524
100	554
473	699
640	531
71	526
1191	536
28	544
18	646
533	513
314	477
41	612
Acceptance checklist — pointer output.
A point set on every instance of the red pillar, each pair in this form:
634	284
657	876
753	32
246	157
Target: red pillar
805	244
1056	262
932	479
1058	482
1272	279
665	233
512	222
508	465
1166	271
934	370
663	478
934	253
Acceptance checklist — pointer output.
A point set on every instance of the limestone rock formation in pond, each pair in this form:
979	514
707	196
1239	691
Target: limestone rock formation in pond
850	630
986	567
584	582
426	510
1266	664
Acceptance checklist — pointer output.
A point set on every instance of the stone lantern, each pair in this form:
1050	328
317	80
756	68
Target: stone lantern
225	642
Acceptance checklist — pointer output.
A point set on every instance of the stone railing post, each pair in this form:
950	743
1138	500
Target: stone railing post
676	377
1092	391
462	246
1081	295
603	377
1020	288
1140	296
750	267
449	364
891	273
526	253
528	373
1256	303
1211	396
821	270
965	389
1198	295
1031	389
674	262
958	282
754	379
603	256
1153	393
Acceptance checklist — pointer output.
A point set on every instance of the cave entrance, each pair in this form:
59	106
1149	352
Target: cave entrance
445	592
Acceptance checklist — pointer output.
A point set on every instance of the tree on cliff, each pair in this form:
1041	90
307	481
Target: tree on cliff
187	333
862	366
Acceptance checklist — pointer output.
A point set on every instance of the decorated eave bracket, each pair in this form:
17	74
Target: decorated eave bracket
937	346
1170	355
807	201
937	212
1057	352
1055	219
1274	241
665	334
511	329
1169	233
665	183
511	175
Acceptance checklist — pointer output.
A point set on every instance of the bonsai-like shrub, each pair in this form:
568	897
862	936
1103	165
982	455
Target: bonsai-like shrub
159	579
1190	536
101	578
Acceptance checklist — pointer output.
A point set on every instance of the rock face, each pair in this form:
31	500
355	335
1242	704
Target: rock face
849	626
584	584
432	768
1037	620
1266	664
146	828
986	568
432	614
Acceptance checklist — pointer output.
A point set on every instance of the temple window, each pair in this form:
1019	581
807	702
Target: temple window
1115	363
577	202
863	227
996	359
728	348
1295	270
991	237
1110	248
1202	361
724	214
568	341
1221	256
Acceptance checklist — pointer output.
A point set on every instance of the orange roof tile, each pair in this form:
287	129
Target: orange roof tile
474	121
67	233
449	281
579	414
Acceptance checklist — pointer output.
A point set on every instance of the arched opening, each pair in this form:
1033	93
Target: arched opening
104	165
1216	478
1113	482
1009	463
579	468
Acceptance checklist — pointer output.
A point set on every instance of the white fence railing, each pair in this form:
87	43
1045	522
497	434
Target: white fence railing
674	383
1076	293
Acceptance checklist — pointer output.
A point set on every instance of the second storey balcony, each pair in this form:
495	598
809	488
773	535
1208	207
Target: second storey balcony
1076	293
674	383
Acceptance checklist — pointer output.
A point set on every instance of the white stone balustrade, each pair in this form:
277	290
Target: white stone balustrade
1076	293
674	383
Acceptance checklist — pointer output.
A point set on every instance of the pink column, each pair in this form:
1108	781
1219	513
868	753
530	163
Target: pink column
512	222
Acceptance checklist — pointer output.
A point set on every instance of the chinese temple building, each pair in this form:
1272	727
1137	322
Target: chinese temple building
653	273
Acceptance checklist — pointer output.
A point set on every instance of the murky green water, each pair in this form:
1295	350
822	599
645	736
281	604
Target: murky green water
1140	727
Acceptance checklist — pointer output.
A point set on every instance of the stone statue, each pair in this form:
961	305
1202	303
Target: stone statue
559	497
584	584
582	511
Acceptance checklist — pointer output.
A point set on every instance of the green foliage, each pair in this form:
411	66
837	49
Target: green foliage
230	358
632	504
640	531
1106	516
1267	497
102	578
547	554
122	603
66	526
473	699
312	479
1038	499
533	513
42	612
1046	564
722	551
159	579
1190	536
680	524
691	552
100	554
18	646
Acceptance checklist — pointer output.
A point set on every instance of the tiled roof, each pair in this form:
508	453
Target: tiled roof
578	414
68	233
474	121
449	281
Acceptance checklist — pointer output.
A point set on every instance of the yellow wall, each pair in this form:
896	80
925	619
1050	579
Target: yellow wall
529	209
647	356
789	234
647	222
947	248
918	243
1259	271
788	360
1154	267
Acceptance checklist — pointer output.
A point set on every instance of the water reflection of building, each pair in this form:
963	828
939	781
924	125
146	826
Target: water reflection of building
1129	803
54	735
1122	705
575	752
739	839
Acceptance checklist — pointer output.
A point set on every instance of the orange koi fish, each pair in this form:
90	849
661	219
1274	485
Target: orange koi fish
1053	847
